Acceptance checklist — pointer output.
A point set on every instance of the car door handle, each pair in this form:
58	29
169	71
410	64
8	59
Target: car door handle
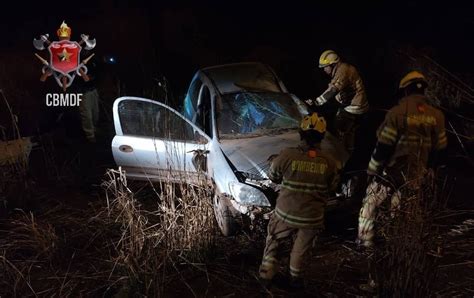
126	148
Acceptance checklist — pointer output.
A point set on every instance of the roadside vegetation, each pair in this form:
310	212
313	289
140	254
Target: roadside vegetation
161	240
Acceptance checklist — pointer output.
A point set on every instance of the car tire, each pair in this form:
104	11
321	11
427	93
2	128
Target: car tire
226	215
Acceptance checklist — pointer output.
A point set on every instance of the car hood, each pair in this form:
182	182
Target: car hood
250	155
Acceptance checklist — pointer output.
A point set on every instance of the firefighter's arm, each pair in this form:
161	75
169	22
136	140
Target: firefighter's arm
327	95
276	169
387	138
338	83
341	80
381	154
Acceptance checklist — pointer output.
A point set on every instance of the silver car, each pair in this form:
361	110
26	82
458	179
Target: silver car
234	118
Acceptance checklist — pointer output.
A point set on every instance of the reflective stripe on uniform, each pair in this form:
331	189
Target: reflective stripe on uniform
294	271
303	187
414	144
415	141
305	184
320	100
269	260
416	138
353	109
374	165
297	220
388	135
442	140
268	268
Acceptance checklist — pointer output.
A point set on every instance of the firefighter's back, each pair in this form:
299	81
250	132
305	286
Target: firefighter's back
421	129
308	177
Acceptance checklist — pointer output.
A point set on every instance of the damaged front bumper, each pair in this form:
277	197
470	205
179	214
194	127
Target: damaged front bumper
254	199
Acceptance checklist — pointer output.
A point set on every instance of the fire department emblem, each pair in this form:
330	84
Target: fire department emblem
64	56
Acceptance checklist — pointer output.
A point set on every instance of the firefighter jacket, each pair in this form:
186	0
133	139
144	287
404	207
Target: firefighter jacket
347	88
410	133
306	183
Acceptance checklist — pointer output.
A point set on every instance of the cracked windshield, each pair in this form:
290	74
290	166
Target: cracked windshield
245	114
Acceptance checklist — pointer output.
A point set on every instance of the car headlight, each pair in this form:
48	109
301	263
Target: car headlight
248	195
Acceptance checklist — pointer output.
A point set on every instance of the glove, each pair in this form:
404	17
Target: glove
320	101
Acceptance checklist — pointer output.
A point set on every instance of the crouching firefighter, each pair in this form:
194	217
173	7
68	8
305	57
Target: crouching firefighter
411	140
307	177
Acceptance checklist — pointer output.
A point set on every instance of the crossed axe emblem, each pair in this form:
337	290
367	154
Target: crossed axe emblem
64	79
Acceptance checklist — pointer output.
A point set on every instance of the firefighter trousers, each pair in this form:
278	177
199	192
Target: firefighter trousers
89	111
376	194
278	232
346	126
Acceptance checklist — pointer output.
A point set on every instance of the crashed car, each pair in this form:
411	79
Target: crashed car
234	118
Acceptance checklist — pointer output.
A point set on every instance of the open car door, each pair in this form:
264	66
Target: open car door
155	142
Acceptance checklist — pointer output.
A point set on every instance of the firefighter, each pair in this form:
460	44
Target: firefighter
89	108
409	141
347	88
307	177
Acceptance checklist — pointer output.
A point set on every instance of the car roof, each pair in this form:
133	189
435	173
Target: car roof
245	76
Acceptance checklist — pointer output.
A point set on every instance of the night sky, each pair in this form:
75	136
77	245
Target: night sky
153	38
219	31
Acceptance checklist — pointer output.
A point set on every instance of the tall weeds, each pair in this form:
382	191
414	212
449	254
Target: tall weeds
14	156
407	261
181	229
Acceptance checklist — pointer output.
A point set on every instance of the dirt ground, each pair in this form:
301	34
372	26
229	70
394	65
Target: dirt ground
336	267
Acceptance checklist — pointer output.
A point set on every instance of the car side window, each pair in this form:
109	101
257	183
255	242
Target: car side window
191	100
204	115
140	118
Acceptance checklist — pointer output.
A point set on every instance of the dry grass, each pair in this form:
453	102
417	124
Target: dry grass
14	168
113	247
407	262
29	238
126	246
155	241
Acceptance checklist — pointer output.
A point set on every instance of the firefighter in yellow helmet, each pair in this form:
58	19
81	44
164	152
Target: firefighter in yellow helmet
409	141
347	88
307	176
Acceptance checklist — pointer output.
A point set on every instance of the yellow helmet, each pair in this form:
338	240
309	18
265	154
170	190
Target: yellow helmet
328	57
412	77
313	122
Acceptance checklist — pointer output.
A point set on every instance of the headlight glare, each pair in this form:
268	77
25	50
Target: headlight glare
248	195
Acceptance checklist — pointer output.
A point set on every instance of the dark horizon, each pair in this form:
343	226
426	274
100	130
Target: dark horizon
175	39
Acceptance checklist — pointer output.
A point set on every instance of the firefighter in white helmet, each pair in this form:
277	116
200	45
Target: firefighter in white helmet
307	177
409	141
